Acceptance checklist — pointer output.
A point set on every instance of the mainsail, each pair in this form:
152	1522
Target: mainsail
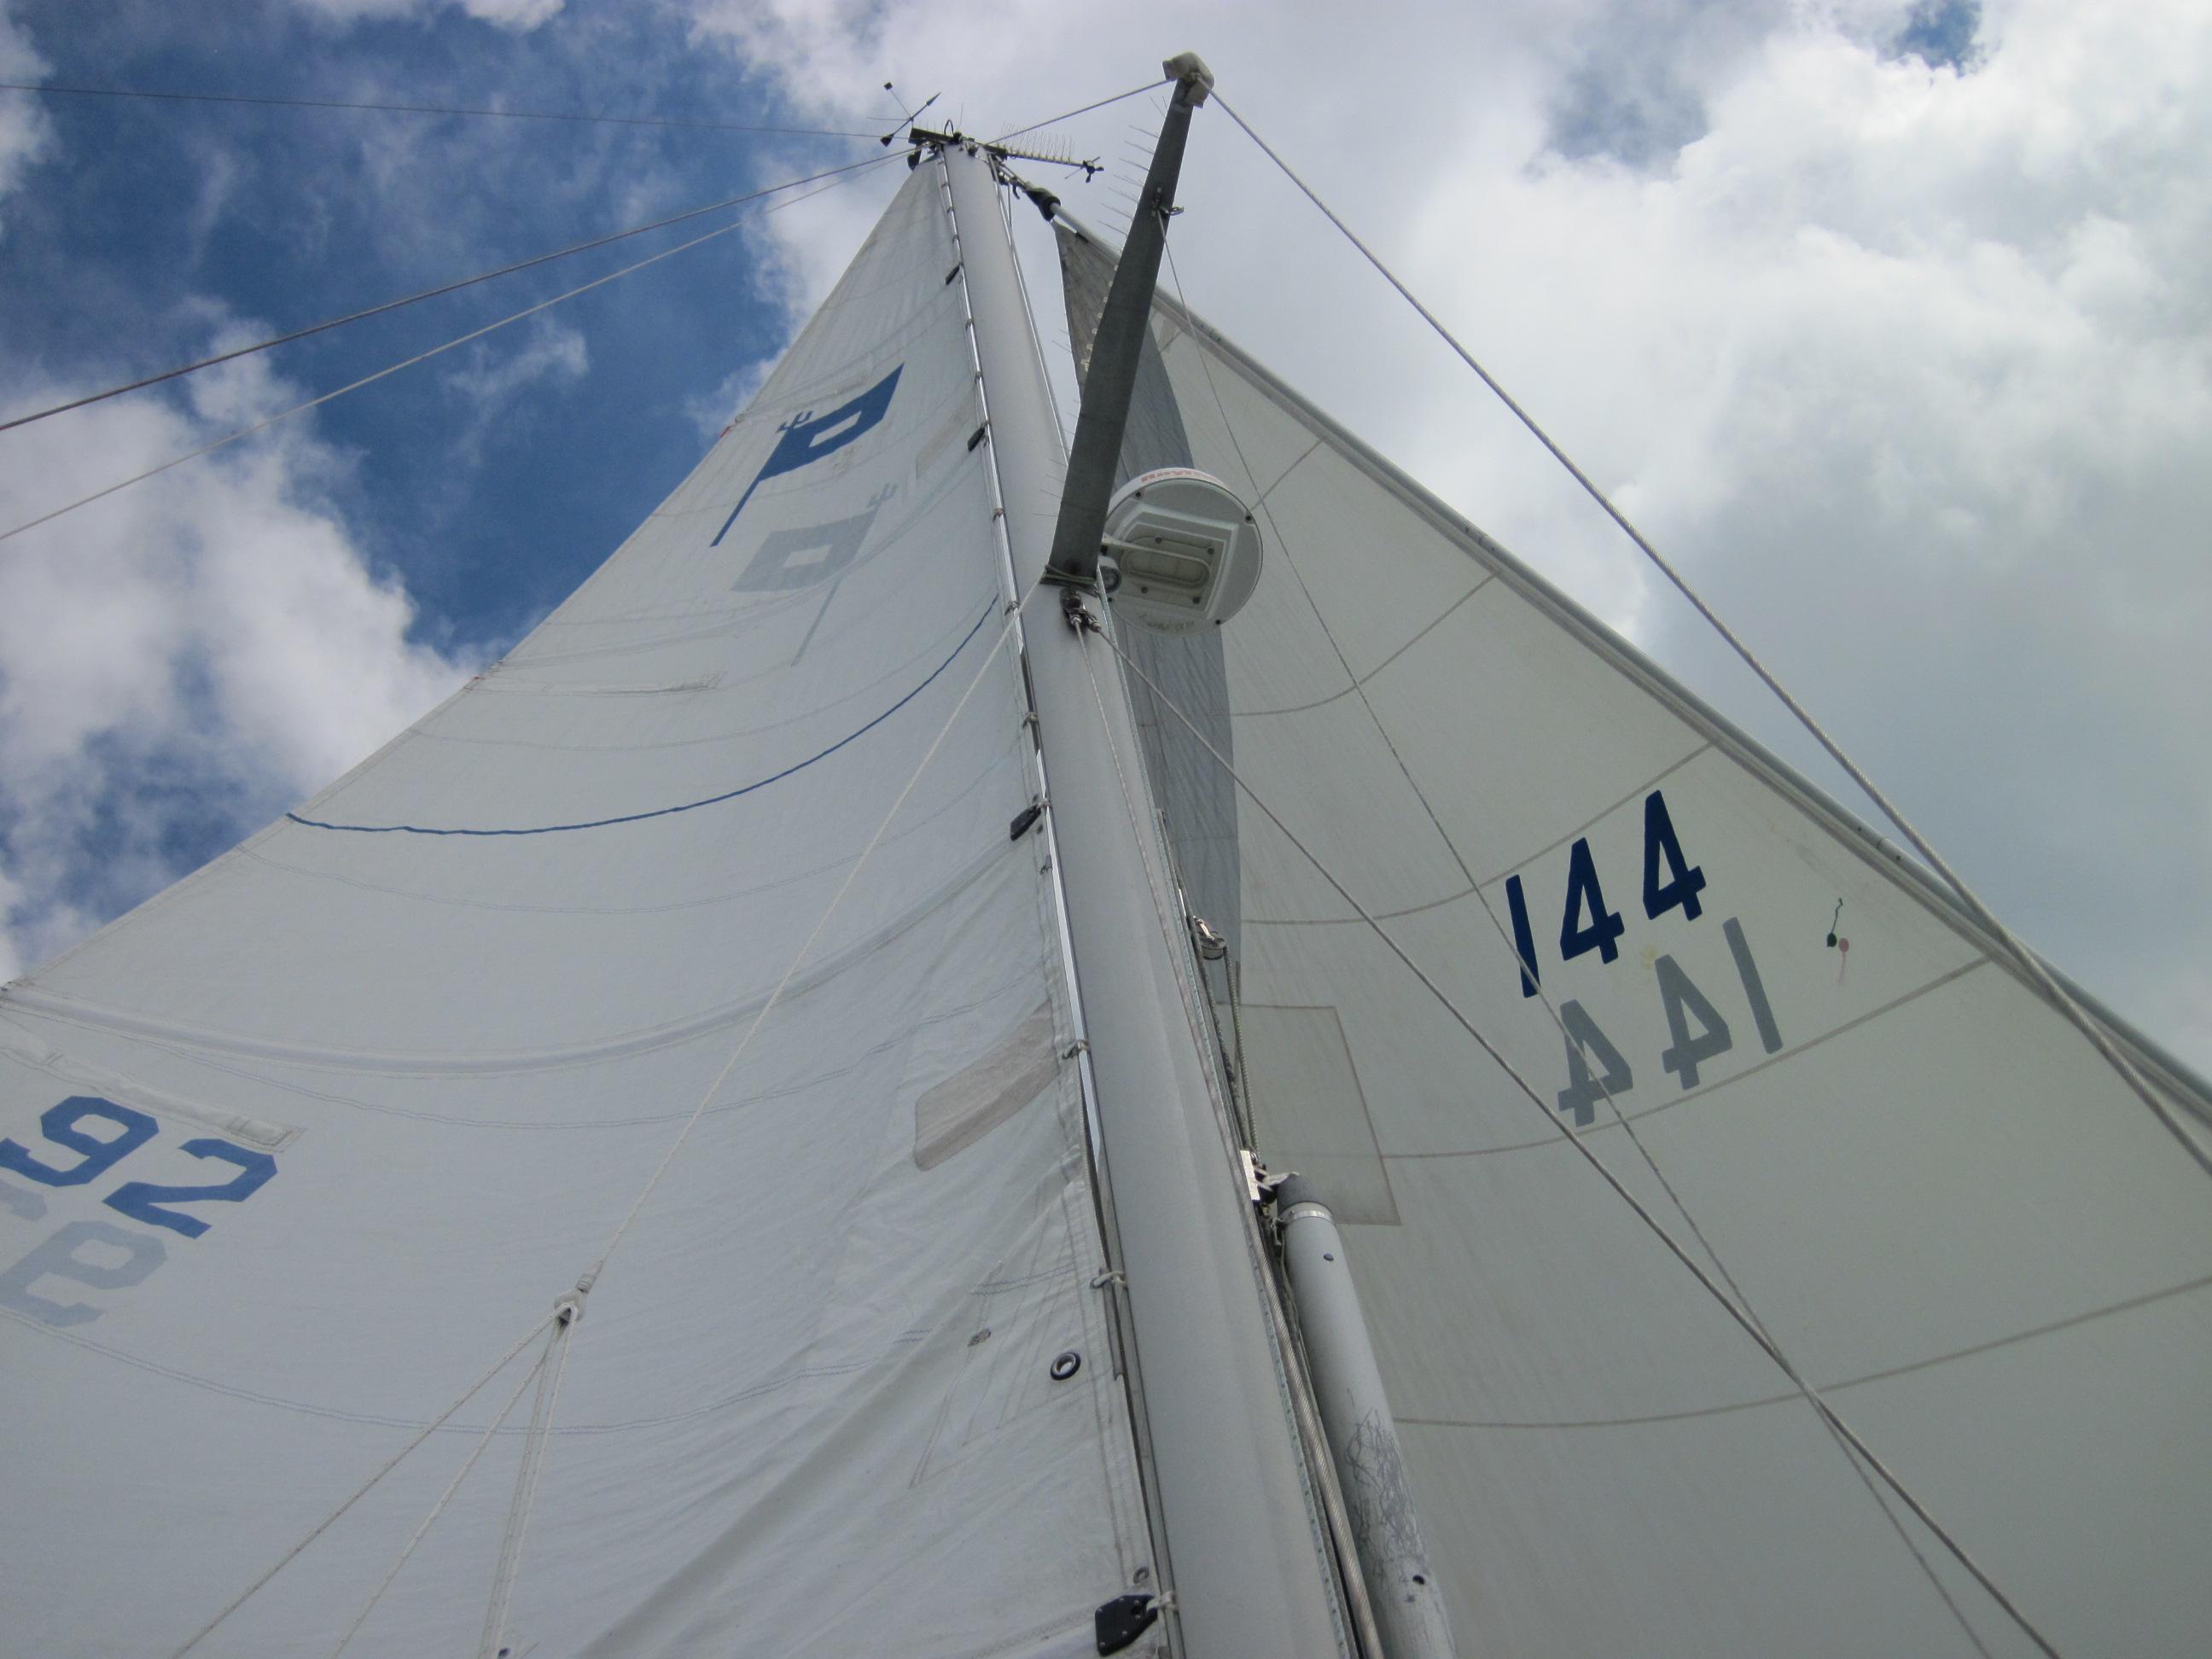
298	1149
1793	1050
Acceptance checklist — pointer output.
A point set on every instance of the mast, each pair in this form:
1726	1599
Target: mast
1251	1562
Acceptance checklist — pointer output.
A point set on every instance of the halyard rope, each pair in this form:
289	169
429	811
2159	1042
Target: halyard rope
361	1491
483	1440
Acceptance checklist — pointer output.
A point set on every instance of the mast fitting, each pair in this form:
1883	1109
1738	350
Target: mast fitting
1190	68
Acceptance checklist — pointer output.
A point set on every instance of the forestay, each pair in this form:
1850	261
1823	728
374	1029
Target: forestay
299	1148
1963	1228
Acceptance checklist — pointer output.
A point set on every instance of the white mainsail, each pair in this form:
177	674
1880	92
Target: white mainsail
296	1150
1962	1227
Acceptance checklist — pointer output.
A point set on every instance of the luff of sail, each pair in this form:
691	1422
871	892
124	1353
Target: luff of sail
1958	1223
296	1151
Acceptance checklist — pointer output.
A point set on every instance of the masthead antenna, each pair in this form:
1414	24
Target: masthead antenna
906	120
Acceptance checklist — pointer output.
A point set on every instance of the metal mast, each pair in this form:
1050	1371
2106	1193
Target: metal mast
1251	1566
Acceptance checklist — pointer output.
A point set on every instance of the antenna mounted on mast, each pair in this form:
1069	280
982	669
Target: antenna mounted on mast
907	119
1112	377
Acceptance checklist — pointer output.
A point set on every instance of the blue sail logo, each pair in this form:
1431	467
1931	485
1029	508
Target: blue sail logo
809	437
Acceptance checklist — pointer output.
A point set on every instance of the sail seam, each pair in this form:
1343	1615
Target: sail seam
196	1045
665	811
2147	1299
1641	790
1698	1093
1428	627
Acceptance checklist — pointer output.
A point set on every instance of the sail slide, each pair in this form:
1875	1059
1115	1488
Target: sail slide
296	1151
1956	1221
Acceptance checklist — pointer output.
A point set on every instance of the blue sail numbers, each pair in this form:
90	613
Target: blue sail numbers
809	437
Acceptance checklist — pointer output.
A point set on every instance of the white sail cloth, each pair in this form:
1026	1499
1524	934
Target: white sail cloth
1963	1228
463	1003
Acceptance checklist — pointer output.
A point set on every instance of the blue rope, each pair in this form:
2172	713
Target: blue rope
665	811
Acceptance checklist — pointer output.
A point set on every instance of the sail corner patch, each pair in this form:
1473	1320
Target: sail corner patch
977	1099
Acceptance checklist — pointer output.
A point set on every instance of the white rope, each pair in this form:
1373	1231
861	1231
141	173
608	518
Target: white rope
483	1441
1529	971
501	1600
2024	959
228	439
361	1492
1750	1326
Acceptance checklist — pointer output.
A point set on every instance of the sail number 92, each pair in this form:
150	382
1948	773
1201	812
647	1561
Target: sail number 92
89	1136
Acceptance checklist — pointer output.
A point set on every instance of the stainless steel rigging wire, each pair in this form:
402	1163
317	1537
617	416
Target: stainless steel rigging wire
230	438
423	109
1051	120
427	293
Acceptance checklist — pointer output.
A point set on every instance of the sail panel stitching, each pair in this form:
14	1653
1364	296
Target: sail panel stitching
1704	1088
2147	1299
1427	628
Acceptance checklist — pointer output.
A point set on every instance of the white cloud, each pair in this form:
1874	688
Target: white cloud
190	654
713	411
518	16
495	375
26	134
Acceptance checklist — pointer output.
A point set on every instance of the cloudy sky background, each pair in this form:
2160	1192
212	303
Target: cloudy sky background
1890	321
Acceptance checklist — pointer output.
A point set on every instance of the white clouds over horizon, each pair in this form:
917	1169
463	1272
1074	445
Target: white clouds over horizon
198	651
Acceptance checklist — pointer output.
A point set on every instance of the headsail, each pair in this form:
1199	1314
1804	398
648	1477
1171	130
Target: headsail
297	1149
1960	1225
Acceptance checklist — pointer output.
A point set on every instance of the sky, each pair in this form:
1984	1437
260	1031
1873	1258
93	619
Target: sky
1886	319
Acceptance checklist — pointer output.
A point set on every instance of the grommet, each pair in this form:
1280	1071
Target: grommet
1065	1365
980	1337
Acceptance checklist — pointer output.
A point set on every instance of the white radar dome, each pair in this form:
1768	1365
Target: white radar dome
1180	551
